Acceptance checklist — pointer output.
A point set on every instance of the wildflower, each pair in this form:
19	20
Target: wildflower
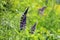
33	28
23	20
41	10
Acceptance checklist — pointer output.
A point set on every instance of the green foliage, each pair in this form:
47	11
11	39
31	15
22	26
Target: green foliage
48	25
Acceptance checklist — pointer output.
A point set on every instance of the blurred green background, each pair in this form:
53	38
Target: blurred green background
47	28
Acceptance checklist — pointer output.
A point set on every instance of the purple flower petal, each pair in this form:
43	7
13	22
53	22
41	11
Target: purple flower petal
23	20
33	28
41	10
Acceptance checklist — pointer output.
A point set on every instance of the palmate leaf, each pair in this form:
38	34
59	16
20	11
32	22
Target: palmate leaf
23	20
33	29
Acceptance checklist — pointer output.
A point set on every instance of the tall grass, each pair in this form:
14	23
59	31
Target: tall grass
47	27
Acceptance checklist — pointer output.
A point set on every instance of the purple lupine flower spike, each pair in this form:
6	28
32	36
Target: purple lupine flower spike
41	10
33	28
23	20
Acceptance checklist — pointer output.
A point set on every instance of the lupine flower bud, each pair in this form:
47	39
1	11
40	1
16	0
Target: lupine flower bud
33	28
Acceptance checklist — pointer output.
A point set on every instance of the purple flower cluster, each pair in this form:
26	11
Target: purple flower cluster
41	10
23	20
33	28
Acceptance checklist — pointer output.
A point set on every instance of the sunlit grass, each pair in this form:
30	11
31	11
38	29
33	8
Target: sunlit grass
47	27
